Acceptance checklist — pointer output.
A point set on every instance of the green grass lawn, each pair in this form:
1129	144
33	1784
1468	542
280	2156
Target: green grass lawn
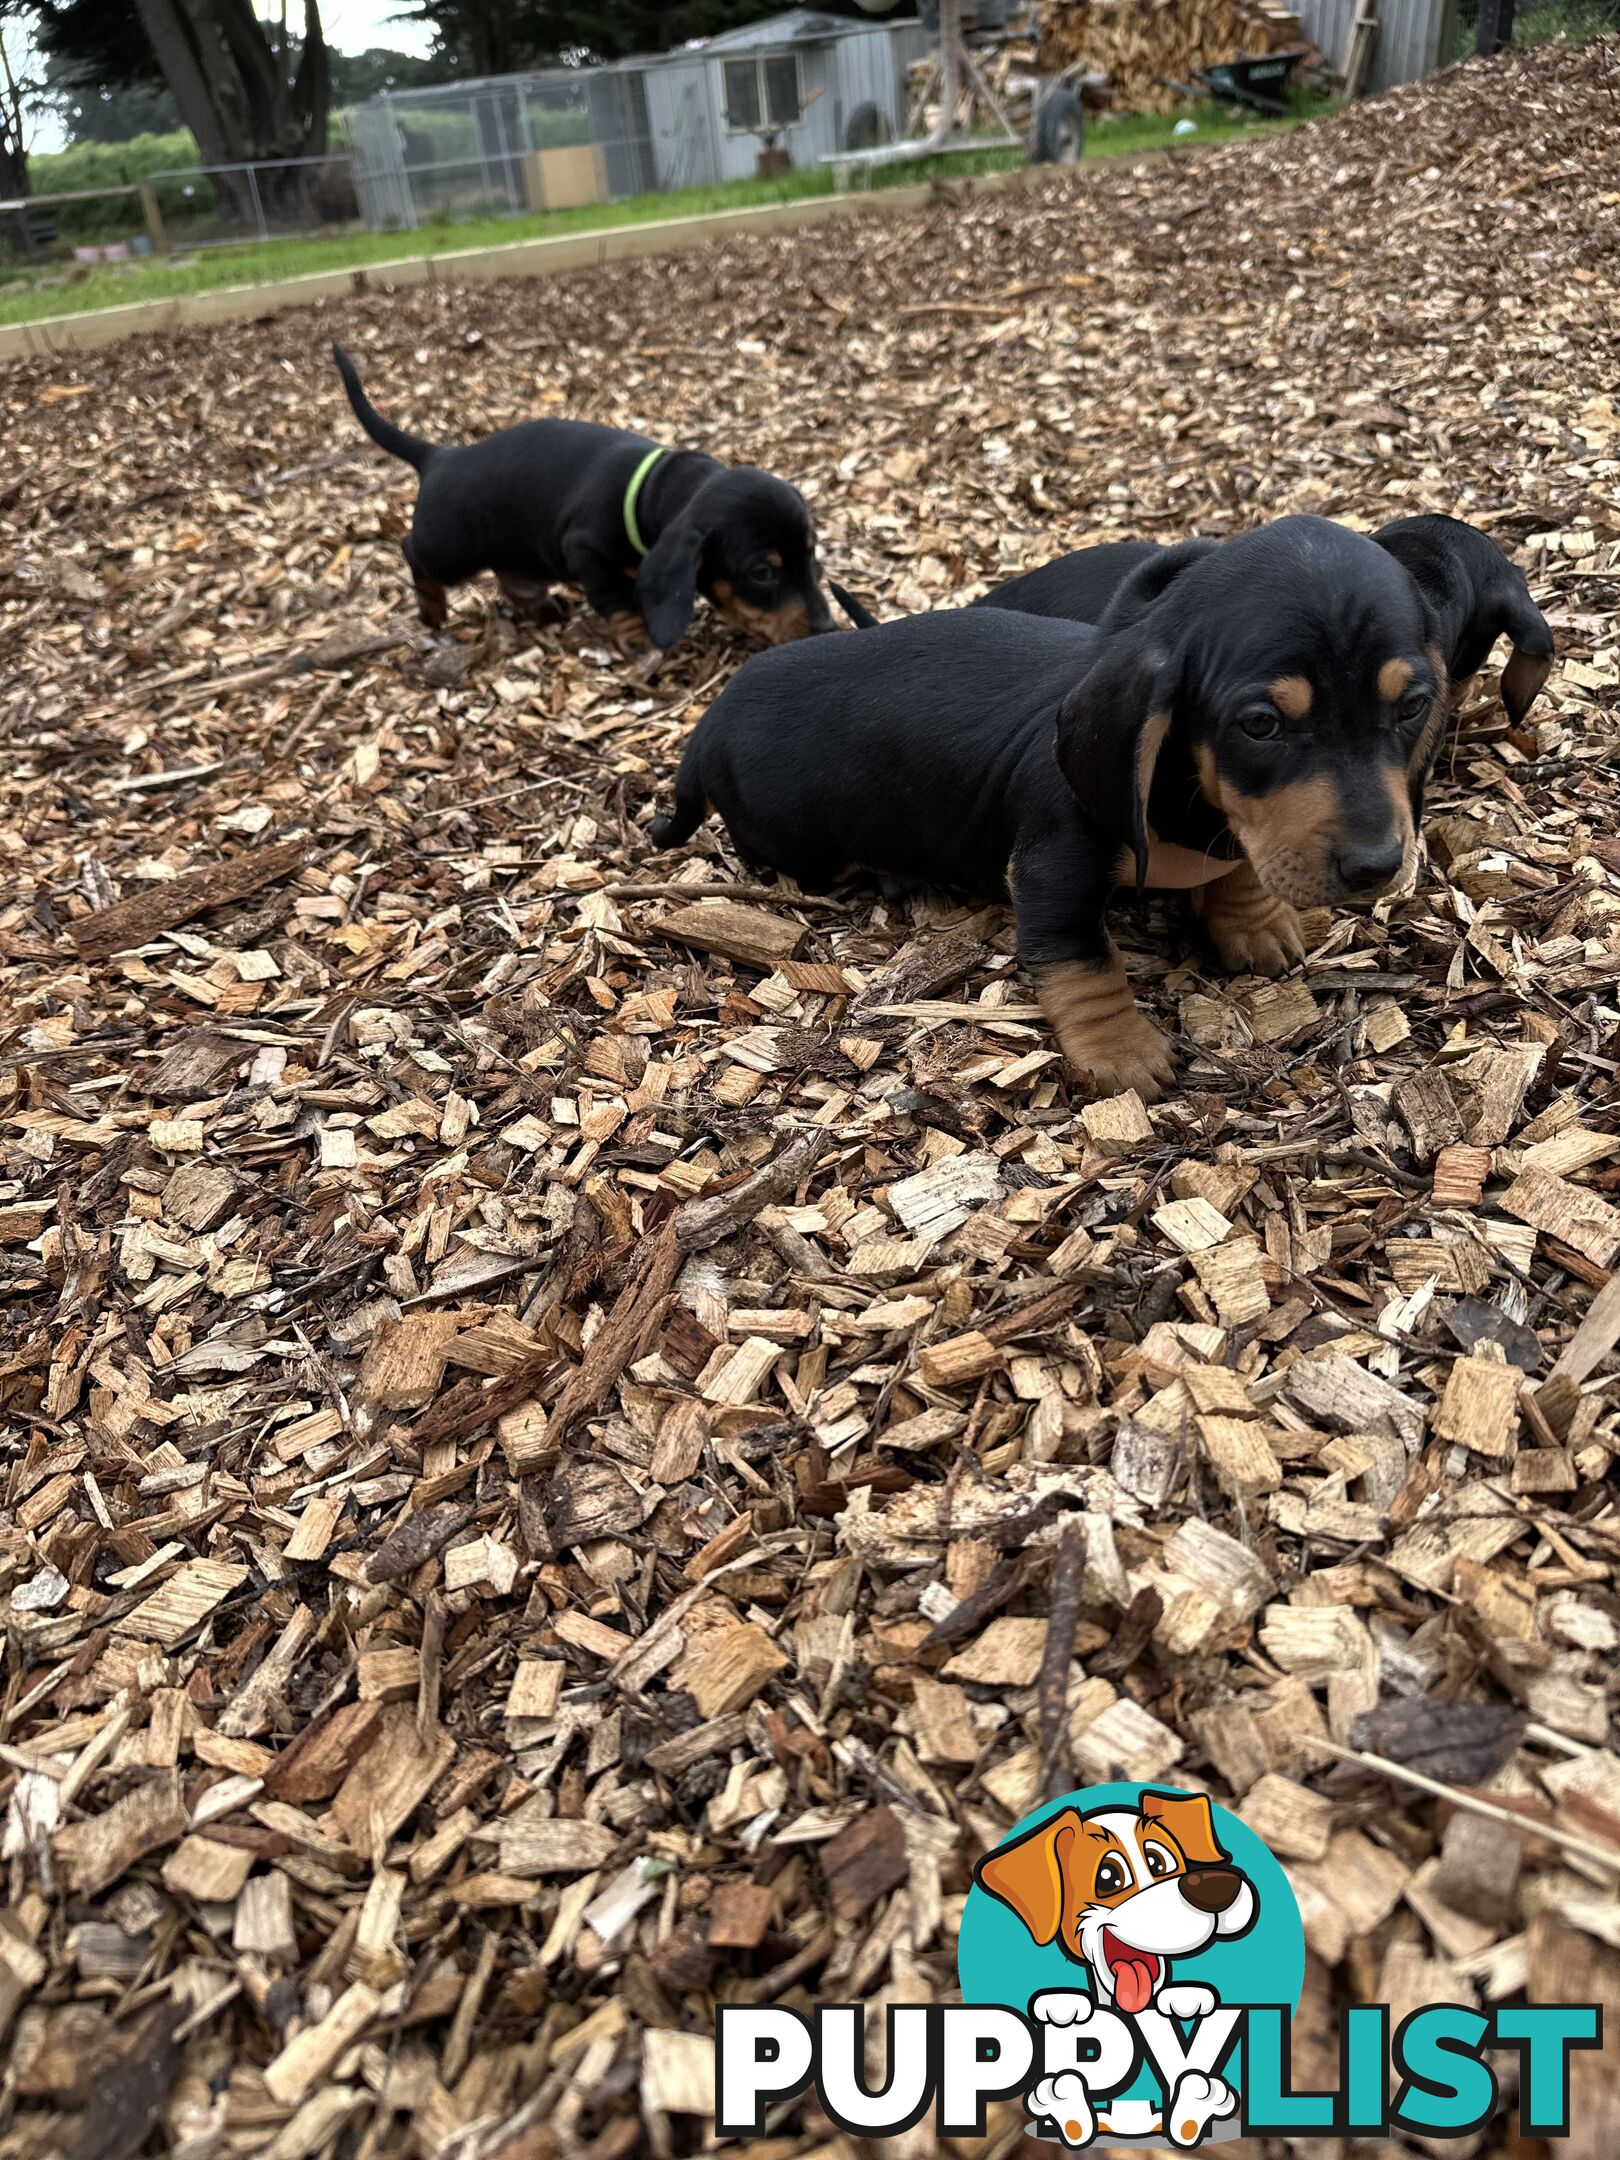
27	298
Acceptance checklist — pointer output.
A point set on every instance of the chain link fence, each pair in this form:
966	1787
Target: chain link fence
1537	22
501	147
187	207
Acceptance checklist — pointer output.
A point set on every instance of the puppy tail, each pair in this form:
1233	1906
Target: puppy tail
861	617
691	807
382	432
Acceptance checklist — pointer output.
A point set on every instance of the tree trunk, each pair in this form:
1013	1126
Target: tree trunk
13	144
221	68
173	39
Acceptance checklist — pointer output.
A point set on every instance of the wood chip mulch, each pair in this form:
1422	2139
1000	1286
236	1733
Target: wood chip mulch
580	1435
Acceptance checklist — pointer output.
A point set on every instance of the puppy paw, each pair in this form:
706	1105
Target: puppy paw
1187	2000
1102	1031
1197	2101
1135	1055
1061	2006
1065	2103
630	632
1252	931
1262	943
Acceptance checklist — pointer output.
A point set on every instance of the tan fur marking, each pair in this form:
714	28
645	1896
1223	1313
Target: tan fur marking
1393	678
1252	931
1288	835
1209	779
774	558
1428	742
1291	694
1100	1029
629	629
1172	867
782	625
1148	745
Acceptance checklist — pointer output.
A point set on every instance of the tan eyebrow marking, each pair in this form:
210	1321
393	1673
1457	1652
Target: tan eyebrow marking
1393	678
1291	694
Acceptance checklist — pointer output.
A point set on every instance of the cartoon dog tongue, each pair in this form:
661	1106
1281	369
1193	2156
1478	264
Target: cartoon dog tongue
1134	1972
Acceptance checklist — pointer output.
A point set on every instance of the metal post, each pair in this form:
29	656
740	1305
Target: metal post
506	154
1494	28
258	206
153	216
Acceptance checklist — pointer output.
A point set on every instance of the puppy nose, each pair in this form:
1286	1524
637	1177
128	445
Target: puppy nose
1211	1889
1368	866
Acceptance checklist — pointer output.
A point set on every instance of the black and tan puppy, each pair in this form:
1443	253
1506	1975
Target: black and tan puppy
1076	587
1475	596
1474	593
641	530
1252	721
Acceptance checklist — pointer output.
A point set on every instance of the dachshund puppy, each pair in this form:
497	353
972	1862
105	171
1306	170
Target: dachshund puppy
1474	593
1253	720
1475	596
639	529
1076	587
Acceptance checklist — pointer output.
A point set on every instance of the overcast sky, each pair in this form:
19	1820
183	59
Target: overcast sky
350	25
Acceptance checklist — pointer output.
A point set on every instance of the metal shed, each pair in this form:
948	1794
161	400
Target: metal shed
803	85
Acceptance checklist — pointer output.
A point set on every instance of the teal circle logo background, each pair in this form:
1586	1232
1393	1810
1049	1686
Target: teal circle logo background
999	1961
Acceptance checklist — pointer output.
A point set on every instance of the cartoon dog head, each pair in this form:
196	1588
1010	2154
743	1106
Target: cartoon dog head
1124	1890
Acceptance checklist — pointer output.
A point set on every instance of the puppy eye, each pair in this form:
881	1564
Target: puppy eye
761	573
1159	1861
1264	724
1414	707
1110	1877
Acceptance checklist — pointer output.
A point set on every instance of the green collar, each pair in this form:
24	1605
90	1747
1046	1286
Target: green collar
632	494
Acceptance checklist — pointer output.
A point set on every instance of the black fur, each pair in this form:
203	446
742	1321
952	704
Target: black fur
1473	591
1076	587
975	749
1476	596
543	504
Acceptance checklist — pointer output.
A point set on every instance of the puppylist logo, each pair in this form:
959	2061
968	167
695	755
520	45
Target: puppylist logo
1131	1961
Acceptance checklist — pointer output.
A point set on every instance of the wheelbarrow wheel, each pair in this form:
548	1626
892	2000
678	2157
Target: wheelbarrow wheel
1060	130
869	128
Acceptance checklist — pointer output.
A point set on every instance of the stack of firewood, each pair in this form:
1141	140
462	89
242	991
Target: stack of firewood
1135	41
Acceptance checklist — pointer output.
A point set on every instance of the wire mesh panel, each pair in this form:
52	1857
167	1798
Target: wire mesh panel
1537	21
505	145
225	205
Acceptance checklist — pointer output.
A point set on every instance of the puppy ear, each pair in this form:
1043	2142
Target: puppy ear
1522	679
1507	610
1110	730
666	583
1188	1819
1149	583
1028	1874
1469	584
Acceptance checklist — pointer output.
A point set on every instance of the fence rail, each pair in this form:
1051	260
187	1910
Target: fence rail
186	206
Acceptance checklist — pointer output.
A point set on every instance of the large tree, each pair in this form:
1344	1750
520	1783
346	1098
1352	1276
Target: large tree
18	88
239	90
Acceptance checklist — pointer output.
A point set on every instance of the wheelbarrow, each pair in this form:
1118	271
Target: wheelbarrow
1253	82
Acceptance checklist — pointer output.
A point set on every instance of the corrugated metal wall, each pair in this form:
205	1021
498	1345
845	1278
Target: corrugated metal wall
682	123
1414	36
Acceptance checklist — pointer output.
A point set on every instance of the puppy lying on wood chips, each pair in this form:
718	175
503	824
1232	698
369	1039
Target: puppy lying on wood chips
1252	721
1474	593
